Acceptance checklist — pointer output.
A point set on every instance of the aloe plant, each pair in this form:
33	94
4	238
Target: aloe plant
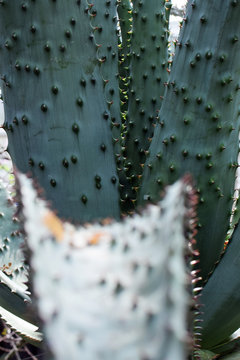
102	120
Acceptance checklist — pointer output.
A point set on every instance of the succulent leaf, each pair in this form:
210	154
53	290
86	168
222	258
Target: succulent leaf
119	280
234	356
147	77
221	297
204	355
13	271
231	345
125	23
14	294
198	125
104	22
56	113
25	329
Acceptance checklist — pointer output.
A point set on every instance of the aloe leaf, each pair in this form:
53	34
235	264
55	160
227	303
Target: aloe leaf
104	22
234	356
147	77
125	23
125	36
14	295
13	271
236	211
56	114
109	291
221	297
199	121
204	355
25	329
227	347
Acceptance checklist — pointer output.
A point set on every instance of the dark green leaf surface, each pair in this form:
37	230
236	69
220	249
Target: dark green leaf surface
199	120
221	297
56	113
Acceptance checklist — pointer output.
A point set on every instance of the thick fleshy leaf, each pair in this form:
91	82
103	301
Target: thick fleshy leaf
14	294
199	121
24	328
221	297
115	290
148	74
56	112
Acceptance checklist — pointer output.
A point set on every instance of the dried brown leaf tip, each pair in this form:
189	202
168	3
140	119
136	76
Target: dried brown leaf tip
54	225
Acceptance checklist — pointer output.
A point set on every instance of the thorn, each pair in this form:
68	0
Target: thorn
197	334
199	313
195	272
194	281
197	289
198	320
194	262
